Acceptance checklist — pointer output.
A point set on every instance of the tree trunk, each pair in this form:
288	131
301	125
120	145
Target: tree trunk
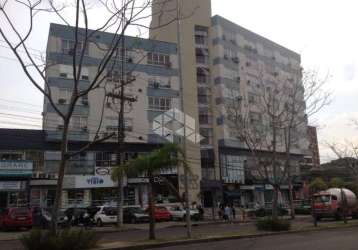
290	194
151	209
275	203
120	202
61	174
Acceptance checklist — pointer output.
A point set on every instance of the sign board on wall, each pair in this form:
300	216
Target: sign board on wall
95	181
12	185
16	168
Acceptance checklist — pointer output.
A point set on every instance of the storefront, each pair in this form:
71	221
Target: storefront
14	182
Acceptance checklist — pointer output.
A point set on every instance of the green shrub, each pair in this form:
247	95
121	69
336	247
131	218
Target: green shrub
64	240
262	212
269	224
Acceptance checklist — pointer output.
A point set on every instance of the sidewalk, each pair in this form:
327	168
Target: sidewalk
141	229
208	233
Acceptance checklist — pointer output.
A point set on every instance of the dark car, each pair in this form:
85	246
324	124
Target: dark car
42	217
15	218
134	215
76	215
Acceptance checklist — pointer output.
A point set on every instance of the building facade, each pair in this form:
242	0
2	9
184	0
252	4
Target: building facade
221	62
153	67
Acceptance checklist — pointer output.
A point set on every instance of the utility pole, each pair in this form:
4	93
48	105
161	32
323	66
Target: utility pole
186	184
119	94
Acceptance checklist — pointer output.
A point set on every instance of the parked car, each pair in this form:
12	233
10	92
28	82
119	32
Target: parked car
15	218
178	213
75	215
134	215
105	215
42	217
161	213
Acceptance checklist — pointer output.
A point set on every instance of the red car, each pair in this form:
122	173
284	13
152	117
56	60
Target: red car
161	213
14	218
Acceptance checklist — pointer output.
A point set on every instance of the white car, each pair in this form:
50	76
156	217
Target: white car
178	213
105	215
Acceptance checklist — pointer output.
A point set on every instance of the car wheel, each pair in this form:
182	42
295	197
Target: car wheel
99	223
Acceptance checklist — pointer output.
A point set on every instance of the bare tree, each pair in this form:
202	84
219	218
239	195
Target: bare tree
271	122
118	18
347	153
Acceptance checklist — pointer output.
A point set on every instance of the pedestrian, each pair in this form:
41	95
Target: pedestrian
201	212
233	211
227	213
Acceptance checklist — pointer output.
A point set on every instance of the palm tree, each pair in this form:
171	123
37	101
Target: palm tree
151	165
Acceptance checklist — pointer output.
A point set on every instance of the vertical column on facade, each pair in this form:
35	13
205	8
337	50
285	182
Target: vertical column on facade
64	200
87	197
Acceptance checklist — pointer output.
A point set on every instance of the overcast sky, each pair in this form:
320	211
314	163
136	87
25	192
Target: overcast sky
324	32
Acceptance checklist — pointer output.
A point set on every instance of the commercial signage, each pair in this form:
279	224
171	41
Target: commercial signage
16	168
103	171
12	185
95	181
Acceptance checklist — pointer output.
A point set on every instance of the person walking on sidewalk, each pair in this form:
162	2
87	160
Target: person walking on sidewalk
233	212
227	213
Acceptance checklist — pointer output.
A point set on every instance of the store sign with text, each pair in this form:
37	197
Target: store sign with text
94	181
15	168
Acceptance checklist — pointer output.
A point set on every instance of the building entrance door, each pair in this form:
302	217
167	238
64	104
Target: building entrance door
3	199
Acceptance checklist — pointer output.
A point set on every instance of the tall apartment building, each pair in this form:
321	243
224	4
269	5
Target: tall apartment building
221	59
154	66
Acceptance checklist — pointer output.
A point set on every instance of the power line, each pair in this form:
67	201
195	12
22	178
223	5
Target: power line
20	102
29	48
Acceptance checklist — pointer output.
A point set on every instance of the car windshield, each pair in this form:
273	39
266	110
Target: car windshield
136	210
110	211
20	211
322	198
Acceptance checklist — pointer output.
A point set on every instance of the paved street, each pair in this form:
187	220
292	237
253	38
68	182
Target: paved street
341	239
167	231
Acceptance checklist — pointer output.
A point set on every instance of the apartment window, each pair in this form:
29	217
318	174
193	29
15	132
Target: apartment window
202	75
159	103
158	83
203	99
64	96
78	123
128	126
158	59
207	133
113	76
106	159
200	39
204	119
69	45
66	71
232	167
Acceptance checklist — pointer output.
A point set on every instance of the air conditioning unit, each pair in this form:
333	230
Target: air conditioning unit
42	176
35	175
61	101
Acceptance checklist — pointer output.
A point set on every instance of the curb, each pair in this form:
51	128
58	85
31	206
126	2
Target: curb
220	238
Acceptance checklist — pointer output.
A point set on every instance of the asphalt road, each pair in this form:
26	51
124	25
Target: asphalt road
340	239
